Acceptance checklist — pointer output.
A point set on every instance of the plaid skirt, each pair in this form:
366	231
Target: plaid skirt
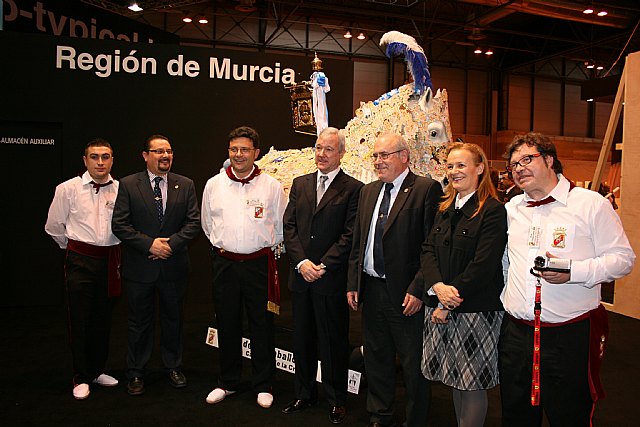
464	352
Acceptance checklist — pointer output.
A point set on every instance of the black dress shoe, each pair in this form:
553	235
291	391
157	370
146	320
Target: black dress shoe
297	405
177	379
337	414
135	386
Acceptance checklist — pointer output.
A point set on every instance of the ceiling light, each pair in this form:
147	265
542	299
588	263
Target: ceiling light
588	11
203	20
489	52
590	100
347	35
600	67
477	50
134	7
361	36
603	13
187	19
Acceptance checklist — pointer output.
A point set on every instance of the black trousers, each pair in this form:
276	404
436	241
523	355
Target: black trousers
238	284
321	331
141	321
388	332
89	314
564	384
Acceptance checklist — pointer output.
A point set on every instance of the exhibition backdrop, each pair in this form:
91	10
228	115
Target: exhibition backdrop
59	92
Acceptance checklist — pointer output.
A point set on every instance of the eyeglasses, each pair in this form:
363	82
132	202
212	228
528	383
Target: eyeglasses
242	150
160	151
383	155
524	161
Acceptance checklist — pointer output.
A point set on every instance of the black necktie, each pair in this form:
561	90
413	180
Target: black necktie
157	196
383	214
99	186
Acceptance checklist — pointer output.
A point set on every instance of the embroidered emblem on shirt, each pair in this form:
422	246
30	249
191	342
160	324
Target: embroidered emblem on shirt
259	212
559	237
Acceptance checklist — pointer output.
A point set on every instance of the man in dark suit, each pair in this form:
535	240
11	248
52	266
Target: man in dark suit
394	218
318	228
155	216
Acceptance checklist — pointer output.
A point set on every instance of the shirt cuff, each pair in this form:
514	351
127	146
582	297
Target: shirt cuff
579	272
300	263
431	292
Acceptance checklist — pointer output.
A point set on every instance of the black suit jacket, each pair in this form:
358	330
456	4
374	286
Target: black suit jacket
136	224
321	234
467	253
407	228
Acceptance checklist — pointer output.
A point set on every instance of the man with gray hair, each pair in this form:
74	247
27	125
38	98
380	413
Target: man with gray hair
394	218
318	228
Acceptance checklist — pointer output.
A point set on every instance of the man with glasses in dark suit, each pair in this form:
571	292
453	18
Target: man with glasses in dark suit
156	215
395	214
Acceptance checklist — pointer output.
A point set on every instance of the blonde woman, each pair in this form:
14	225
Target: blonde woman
461	264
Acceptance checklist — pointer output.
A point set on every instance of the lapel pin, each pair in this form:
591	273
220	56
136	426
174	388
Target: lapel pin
406	190
177	186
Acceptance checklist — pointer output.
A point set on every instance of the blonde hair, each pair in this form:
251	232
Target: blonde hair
485	186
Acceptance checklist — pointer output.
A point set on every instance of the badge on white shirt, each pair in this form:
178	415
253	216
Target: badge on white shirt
258	207
534	236
561	236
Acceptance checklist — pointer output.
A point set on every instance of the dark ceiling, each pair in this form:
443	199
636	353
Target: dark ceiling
522	33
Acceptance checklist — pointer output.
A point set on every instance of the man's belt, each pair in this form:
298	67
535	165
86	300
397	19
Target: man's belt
112	253
273	286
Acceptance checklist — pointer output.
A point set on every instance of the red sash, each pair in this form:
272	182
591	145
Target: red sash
110	252
598	338
273	286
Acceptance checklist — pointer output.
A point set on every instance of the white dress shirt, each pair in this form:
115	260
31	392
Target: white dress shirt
79	213
243	218
579	225
368	255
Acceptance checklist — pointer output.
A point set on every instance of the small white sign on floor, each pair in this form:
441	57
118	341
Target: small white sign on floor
285	361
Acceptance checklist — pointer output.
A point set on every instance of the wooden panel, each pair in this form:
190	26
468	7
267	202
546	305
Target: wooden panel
603	111
627	292
519	103
477	97
548	109
371	81
575	113
454	81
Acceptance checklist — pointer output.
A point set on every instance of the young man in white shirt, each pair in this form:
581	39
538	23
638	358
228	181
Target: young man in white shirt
79	221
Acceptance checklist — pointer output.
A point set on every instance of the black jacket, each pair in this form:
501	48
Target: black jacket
323	233
408	226
135	223
467	253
